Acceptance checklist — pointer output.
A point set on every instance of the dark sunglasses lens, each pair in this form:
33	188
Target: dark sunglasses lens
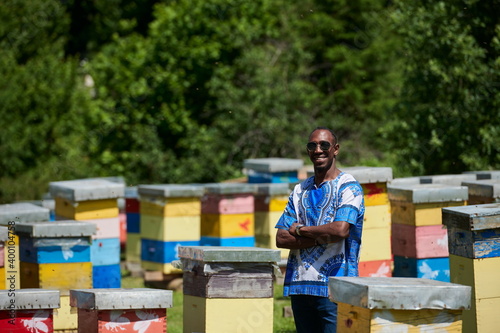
324	145
311	146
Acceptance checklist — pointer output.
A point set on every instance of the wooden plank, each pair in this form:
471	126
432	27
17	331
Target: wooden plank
86	210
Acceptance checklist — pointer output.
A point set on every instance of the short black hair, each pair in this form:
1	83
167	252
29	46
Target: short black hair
326	129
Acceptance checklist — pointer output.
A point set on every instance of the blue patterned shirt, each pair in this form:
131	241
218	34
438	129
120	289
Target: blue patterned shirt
340	199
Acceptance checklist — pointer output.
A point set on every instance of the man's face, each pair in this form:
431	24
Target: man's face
323	159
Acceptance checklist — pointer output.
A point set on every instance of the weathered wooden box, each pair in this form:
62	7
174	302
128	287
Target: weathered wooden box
378	304
375	268
236	281
121	310
474	231
483	191
28	310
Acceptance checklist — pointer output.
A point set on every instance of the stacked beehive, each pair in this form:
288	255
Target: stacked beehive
419	240
474	243
483	191
386	304
121	310
273	170
56	255
228	289
375	256
227	215
10	215
95	201
132	213
169	218
269	203
28	310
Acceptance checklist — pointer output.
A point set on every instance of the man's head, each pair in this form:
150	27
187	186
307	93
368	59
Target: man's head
322	148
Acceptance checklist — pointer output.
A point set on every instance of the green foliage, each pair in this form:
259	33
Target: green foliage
447	119
43	106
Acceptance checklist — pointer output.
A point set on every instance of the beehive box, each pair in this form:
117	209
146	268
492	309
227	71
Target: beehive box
420	205
28	310
224	285
273	170
452	179
10	215
429	241
85	199
121	310
473	235
378	304
483	191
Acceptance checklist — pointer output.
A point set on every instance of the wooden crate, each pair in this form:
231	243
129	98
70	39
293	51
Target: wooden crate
377	217
238	203
105	251
420	214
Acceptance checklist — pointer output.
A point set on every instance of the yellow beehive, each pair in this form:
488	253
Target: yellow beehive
377	217
59	276
420	214
357	319
215	315
375	194
168	228
265	223
171	207
86	210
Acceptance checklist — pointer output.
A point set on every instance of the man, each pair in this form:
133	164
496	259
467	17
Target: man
321	225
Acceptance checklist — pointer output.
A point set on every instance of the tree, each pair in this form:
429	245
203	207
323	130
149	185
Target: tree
447	119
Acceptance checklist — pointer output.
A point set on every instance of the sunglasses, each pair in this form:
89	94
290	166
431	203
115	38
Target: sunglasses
323	145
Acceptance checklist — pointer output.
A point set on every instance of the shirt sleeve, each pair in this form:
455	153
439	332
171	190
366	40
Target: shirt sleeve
350	202
289	215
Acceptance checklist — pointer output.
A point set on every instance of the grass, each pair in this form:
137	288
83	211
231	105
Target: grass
280	324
